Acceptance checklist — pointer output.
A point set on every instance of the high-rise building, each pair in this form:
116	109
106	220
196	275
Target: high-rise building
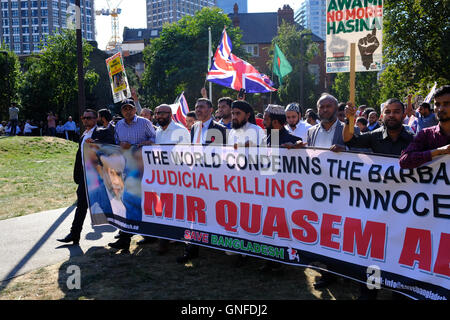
26	24
228	5
168	11
311	14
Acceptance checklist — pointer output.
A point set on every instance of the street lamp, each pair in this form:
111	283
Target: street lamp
301	67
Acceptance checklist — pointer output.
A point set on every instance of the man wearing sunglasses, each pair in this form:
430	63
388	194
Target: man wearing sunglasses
91	134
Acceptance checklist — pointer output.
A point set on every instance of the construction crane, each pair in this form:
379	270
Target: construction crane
115	42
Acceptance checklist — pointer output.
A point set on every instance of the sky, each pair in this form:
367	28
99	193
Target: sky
134	14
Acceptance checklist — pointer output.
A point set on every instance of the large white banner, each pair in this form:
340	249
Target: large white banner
354	21
361	215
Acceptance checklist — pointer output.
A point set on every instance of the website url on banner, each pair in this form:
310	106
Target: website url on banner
426	293
124	225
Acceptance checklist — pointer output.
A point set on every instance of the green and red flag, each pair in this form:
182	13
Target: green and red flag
281	66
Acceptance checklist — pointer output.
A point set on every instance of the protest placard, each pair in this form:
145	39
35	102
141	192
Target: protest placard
354	21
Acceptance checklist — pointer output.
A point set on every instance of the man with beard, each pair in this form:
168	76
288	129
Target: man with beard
392	138
274	122
433	141
328	133
295	125
224	106
168	132
244	133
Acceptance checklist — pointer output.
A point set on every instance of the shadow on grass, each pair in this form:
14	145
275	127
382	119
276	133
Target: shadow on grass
143	274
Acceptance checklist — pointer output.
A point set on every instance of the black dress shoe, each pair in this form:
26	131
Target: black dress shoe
187	256
123	244
146	240
324	281
271	266
70	238
163	247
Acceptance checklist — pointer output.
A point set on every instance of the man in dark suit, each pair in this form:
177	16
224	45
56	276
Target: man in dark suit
328	133
91	134
205	131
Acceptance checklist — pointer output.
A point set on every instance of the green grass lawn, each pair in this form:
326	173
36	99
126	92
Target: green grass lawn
36	174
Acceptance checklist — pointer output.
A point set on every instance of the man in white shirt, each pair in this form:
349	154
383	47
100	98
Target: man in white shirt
169	132
244	133
206	131
328	133
28	129
295	125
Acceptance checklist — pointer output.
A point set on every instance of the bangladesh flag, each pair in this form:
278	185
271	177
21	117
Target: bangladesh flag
281	67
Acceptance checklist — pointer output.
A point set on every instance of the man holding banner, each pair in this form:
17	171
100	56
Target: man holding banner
168	132
391	138
434	141
131	131
205	131
91	134
328	133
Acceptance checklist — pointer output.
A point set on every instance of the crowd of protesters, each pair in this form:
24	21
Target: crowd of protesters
416	132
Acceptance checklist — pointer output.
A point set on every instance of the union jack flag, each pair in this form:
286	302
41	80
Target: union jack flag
180	109
233	72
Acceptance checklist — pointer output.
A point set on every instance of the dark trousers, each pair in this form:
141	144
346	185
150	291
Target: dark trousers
125	236
70	135
80	212
191	249
13	127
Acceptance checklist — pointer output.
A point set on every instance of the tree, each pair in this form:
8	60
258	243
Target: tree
416	45
51	81
367	89
177	61
10	79
299	50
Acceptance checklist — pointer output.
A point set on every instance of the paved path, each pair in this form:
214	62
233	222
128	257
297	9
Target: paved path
29	242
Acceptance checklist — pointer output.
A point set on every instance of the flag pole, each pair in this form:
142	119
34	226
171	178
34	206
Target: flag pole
209	60
273	62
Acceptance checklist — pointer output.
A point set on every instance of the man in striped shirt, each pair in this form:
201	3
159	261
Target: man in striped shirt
131	131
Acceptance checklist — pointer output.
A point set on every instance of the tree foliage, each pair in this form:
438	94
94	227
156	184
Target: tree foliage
177	61
10	78
51	82
416	46
289	40
367	89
